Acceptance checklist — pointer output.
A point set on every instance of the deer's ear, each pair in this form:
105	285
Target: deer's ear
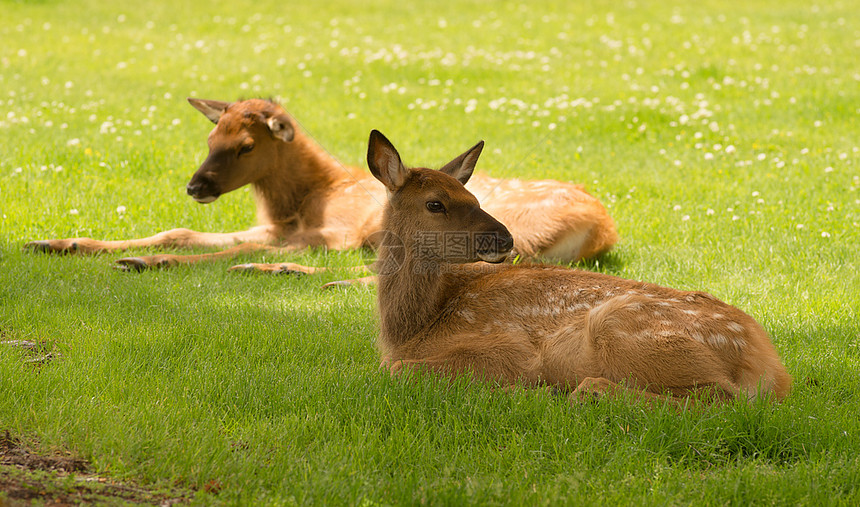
212	109
461	167
384	162
281	127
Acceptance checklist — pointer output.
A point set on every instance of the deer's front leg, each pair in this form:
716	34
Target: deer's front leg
280	268
72	246
502	360
143	262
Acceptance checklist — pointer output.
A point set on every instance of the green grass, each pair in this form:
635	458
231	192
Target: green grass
271	387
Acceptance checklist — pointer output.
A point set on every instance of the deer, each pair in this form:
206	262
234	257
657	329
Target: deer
306	198
448	304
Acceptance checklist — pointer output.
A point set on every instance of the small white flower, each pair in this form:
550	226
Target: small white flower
825	234
676	207
761	156
828	169
73	142
120	209
709	156
685	218
800	226
73	211
709	212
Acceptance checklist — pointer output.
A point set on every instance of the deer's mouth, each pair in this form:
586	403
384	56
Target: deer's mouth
204	199
493	257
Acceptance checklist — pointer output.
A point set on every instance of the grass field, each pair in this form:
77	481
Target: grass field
723	137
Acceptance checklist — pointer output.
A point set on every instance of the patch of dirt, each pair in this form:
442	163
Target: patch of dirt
60	479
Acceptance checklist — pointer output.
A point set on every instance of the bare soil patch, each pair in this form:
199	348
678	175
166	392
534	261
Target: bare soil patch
61	478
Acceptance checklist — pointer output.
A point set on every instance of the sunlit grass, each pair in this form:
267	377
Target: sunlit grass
722	137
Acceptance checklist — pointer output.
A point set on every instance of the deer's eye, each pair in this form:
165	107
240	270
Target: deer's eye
435	207
245	148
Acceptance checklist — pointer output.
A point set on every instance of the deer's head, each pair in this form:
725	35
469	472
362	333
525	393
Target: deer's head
242	147
431	211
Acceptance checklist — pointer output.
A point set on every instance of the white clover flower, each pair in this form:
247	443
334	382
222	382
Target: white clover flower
120	209
825	234
709	212
73	211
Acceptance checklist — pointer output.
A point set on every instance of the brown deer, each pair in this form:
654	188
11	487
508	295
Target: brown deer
306	198
445	305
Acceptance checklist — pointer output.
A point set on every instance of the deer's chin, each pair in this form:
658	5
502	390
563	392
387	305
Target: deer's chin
493	258
206	199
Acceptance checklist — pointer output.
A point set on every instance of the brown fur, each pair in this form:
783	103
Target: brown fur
548	325
306	198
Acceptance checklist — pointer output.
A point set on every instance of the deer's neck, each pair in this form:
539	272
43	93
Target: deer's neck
302	171
412	293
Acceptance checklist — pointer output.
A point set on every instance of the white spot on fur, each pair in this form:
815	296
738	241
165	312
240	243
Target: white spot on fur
468	315
698	337
717	316
577	307
717	339
734	326
691	312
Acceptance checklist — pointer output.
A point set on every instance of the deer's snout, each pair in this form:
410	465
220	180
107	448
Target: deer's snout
494	246
203	190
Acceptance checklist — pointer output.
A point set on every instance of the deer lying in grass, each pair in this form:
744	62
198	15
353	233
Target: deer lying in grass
306	198
442	310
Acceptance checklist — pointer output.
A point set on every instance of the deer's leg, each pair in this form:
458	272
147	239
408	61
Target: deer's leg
500	359
364	281
595	388
168	260
330	238
625	342
174	238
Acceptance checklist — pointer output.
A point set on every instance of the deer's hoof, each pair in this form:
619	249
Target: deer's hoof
339	284
39	246
132	264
